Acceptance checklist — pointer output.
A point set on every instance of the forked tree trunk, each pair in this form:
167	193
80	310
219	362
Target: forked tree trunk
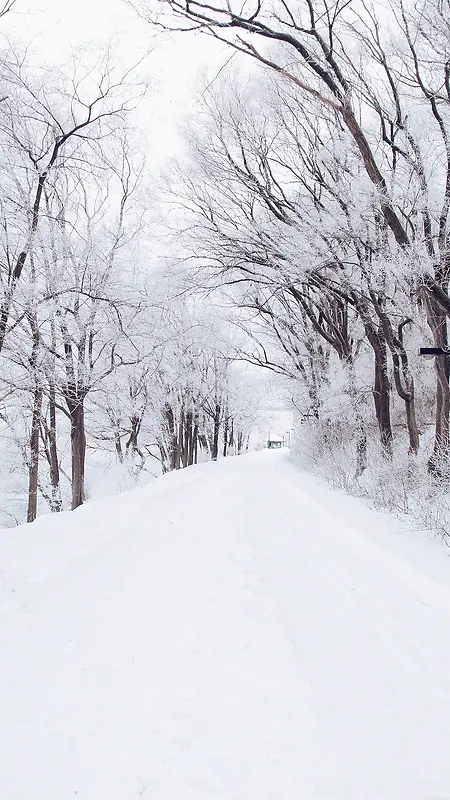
404	382
132	444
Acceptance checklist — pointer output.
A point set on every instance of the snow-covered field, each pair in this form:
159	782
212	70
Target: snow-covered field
235	631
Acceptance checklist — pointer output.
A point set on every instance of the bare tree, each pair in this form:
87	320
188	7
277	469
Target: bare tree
47	133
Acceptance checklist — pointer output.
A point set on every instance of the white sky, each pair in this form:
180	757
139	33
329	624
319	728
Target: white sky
55	26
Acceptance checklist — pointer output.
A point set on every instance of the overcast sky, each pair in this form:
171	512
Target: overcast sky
56	26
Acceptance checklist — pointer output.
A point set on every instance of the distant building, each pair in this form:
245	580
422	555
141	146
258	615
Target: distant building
274	442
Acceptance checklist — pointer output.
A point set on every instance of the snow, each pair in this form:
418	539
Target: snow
235	631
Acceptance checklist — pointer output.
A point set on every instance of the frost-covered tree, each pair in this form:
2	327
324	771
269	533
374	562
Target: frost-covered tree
348	170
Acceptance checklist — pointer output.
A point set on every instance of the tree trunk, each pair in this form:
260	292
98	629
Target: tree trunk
57	504
179	441
172	437
164	457
33	474
194	453
413	431
361	451
188	442
231	435
132	441
193	433
361	435
438	462
118	444
203	441
225	437
404	382
381	389
382	400
215	440
78	444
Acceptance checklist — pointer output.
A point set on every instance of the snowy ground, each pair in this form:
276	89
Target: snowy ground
235	631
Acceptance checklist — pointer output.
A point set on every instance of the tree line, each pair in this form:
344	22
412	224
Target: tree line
318	190
100	352
312	203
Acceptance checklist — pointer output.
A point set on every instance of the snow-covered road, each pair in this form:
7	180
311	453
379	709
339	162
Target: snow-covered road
233	632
